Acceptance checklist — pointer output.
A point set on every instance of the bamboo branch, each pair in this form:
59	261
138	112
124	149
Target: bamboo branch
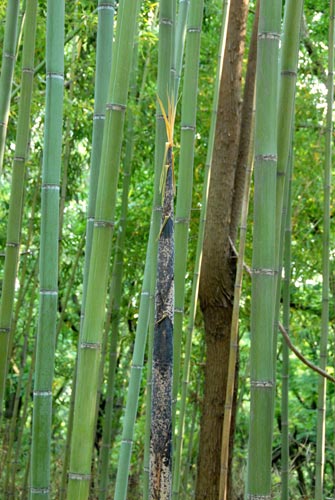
302	358
286	335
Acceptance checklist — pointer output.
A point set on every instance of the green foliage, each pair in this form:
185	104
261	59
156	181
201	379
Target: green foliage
81	25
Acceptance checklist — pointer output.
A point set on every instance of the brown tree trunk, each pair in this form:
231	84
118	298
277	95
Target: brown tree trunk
218	265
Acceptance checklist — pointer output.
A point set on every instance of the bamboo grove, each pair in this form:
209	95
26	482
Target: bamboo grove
167	272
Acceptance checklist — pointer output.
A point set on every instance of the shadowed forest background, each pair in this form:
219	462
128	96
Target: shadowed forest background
151	100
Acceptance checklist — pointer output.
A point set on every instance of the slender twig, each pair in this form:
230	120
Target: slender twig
286	335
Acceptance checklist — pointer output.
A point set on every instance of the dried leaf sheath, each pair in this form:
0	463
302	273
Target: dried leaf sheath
161	416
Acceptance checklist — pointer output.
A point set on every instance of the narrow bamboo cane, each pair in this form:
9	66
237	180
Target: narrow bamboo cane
180	40
321	418
165	55
102	75
46	335
16	423
285	452
113	318
185	179
7	70
264	255
90	342
17	192
289	63
105	12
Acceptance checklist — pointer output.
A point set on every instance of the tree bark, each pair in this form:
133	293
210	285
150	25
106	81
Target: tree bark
218	265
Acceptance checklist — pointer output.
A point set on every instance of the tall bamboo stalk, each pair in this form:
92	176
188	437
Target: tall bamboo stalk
103	68
91	337
112	325
285	449
17	192
321	419
7	70
288	76
46	335
185	180
264	255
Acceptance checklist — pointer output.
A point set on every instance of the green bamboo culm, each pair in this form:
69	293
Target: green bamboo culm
287	86
321	415
181	26
46	334
264	255
103	68
92	329
115	293
7	70
285	445
184	194
17	191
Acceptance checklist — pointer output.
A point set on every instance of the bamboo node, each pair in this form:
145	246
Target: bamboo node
288	72
194	29
9	56
4	329
259	497
79	477
268	35
44	291
12	244
56	76
127	441
263	271
262	384
266	157
41	491
42	394
51	187
99	116
188	127
116	107
19	158
179	310
106	6
103	223
181	220
137	367
28	70
166	21
90	345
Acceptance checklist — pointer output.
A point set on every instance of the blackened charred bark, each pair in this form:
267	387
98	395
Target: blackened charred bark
161	413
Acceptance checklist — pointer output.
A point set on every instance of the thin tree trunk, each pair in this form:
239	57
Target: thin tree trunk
217	271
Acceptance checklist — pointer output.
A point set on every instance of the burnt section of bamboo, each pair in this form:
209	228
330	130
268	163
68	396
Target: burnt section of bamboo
161	413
